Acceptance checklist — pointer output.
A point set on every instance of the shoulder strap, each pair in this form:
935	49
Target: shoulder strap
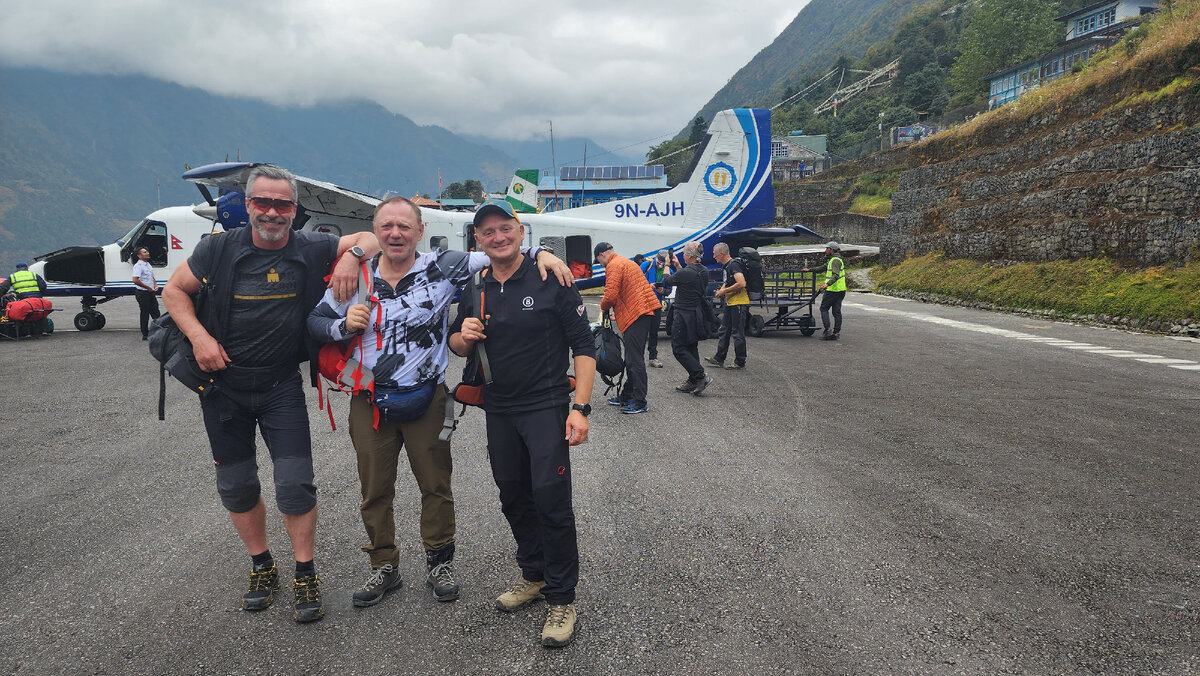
480	351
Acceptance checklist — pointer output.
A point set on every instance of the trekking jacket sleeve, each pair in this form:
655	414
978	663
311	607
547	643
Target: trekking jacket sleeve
325	320
572	313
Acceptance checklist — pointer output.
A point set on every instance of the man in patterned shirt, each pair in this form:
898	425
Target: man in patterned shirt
403	343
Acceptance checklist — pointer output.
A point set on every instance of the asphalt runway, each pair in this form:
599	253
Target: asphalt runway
942	491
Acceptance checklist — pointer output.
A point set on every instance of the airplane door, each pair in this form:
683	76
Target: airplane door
153	236
469	237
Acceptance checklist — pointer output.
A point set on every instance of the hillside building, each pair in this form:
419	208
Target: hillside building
1088	30
580	186
798	156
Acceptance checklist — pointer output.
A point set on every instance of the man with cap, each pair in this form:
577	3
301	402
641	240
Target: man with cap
401	338
528	330
834	287
633	301
24	283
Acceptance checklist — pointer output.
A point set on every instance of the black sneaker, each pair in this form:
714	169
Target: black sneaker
264	580
441	573
687	387
308	599
382	580
702	385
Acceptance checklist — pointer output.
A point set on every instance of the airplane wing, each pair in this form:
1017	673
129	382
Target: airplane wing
315	196
756	237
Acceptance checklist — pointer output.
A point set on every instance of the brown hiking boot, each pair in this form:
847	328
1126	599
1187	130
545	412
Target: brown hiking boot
560	626
521	594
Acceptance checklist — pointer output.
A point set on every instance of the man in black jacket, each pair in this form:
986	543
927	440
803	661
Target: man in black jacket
689	324
261	281
528	328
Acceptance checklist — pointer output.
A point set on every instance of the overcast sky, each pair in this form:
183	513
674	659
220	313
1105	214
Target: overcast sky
618	71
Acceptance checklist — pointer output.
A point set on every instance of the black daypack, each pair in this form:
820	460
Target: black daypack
753	272
609	363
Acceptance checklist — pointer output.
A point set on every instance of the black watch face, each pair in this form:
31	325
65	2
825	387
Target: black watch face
585	409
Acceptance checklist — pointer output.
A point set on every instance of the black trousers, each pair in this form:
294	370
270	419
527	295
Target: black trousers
686	353
531	464
733	323
832	301
635	359
652	342
147	308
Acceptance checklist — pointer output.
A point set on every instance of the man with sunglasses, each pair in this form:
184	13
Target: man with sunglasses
242	299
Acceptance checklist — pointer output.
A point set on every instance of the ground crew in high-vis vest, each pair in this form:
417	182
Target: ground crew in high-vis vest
24	283
835	290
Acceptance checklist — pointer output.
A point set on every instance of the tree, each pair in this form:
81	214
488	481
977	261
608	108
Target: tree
1001	34
922	88
699	129
470	189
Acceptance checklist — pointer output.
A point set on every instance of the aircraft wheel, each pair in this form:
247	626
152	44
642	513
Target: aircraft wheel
88	321
756	326
102	319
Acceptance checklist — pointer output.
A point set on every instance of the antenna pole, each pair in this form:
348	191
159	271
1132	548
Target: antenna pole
583	190
554	163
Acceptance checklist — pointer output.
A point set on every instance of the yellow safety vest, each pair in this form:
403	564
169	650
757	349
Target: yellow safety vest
840	284
23	282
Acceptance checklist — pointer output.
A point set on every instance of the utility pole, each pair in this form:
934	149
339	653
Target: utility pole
554	166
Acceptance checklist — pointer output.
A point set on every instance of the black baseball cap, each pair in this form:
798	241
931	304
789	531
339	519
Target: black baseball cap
494	206
601	248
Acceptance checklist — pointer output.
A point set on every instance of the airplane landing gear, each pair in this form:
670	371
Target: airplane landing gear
89	318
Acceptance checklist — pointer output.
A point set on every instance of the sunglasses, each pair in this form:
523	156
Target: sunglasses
265	204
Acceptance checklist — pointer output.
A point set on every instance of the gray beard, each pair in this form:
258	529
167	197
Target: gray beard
266	236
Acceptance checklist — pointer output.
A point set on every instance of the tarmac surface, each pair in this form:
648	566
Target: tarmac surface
942	491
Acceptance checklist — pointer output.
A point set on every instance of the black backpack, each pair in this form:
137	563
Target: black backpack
609	363
752	265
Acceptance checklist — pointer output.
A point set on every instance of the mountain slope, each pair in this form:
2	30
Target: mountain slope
821	32
82	157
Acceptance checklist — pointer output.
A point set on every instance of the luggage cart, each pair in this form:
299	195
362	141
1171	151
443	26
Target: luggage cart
791	294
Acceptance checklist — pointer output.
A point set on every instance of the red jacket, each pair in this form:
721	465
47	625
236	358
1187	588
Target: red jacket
626	289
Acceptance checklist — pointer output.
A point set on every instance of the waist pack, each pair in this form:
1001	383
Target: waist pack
403	404
174	353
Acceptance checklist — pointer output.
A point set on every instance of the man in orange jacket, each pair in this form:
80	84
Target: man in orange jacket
634	302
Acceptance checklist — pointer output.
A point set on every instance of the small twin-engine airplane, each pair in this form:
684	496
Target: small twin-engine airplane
727	197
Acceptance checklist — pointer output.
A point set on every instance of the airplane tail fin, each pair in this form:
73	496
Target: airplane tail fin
729	182
522	191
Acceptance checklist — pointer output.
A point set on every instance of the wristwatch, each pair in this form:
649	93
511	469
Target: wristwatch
585	409
358	252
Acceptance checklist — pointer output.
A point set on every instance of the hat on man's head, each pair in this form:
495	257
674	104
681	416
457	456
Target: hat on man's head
601	248
494	206
21	266
834	245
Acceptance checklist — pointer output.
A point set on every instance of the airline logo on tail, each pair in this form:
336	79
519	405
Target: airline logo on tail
522	192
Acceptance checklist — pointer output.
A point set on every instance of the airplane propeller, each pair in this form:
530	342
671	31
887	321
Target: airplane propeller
207	195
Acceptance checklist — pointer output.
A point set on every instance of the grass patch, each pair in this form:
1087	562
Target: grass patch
1088	286
871	205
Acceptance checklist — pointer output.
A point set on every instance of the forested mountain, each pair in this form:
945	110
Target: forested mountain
83	157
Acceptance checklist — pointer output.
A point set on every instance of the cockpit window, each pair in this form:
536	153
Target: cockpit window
129	235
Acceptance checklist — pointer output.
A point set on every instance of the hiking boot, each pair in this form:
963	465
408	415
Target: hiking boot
631	408
654	363
308	599
560	626
713	361
264	580
687	387
734	367
382	580
441	573
521	594
702	385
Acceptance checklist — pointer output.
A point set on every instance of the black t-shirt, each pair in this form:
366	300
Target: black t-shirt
732	268
267	309
691	284
533	328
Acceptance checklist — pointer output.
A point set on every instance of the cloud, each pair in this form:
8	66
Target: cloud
619	71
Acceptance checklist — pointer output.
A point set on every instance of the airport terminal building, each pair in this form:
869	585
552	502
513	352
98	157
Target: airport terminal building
580	186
